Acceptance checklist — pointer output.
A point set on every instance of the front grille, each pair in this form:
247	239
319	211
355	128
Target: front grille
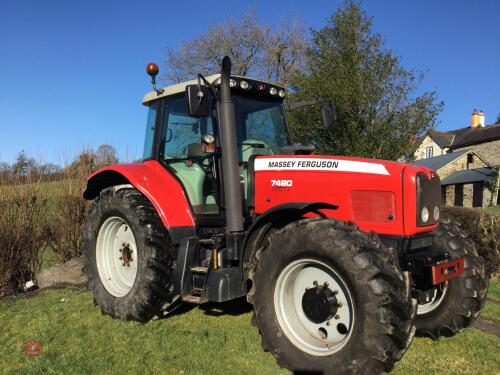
429	196
372	205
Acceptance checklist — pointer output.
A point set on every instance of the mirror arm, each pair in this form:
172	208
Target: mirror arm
293	106
208	84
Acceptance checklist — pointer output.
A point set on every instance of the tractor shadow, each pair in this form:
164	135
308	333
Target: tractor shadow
234	307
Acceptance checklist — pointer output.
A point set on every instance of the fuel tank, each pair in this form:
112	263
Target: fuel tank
377	195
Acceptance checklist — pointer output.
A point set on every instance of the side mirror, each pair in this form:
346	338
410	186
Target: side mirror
197	97
329	116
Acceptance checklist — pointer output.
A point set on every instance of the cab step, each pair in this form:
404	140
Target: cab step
199	269
192	299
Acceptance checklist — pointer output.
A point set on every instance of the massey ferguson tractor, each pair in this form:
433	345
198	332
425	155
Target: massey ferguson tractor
342	258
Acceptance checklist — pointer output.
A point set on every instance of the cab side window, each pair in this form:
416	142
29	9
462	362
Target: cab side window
180	130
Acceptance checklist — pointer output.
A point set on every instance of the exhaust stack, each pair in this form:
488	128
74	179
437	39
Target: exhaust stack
230	165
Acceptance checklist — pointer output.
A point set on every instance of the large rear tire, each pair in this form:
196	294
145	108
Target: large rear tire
330	299
129	255
458	302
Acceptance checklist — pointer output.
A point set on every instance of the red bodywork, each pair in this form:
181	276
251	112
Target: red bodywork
159	186
377	195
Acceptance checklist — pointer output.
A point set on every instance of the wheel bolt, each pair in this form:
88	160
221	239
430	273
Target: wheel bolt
120	258
326	284
123	264
315	283
328	323
128	265
340	304
307	288
335	292
337	317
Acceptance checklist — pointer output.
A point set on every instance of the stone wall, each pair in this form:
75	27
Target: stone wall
468	193
489	151
450	195
427	142
460	164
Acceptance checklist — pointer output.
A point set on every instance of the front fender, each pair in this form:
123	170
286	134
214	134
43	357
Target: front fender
279	216
161	188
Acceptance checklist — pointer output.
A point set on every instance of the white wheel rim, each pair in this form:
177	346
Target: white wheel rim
438	295
116	256
319	339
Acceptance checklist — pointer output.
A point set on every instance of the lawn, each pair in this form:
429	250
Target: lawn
214	339
494	209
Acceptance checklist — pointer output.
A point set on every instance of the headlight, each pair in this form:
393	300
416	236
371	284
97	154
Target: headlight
273	91
436	213
425	215
232	82
282	93
244	85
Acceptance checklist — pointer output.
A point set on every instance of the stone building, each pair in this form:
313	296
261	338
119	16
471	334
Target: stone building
466	160
466	178
485	140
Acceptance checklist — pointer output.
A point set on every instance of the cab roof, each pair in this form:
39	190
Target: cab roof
181	87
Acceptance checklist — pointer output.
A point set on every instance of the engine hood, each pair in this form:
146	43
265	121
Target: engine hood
378	195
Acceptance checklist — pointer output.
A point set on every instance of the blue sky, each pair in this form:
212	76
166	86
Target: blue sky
72	73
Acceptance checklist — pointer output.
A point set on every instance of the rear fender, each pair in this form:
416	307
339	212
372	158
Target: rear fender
277	217
161	188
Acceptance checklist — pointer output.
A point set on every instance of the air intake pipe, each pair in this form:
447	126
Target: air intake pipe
230	164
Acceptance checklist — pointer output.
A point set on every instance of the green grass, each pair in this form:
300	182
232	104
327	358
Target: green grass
491	312
495	209
217	339
494	290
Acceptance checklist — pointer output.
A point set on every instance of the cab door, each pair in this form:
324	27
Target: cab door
181	151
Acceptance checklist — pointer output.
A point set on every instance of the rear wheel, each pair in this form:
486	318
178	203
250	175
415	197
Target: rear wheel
329	298
457	303
129	256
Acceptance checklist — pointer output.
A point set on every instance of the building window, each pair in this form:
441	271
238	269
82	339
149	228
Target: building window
459	195
477	194
429	152
443	195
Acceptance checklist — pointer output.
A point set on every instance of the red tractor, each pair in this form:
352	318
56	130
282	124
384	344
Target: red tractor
343	259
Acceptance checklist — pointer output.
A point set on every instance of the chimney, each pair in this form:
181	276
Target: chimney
477	120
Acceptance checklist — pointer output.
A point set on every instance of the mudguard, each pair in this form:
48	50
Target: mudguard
162	189
280	214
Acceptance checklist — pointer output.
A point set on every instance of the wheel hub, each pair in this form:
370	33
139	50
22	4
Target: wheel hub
126	252
319	304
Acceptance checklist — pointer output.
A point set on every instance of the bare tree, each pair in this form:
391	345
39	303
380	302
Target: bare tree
262	51
285	51
106	155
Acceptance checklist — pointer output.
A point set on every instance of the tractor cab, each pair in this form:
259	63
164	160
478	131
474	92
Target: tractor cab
190	146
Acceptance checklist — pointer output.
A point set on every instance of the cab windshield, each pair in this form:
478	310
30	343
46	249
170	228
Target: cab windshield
260	123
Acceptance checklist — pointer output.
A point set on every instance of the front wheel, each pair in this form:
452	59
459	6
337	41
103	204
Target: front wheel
129	256
455	304
329	299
